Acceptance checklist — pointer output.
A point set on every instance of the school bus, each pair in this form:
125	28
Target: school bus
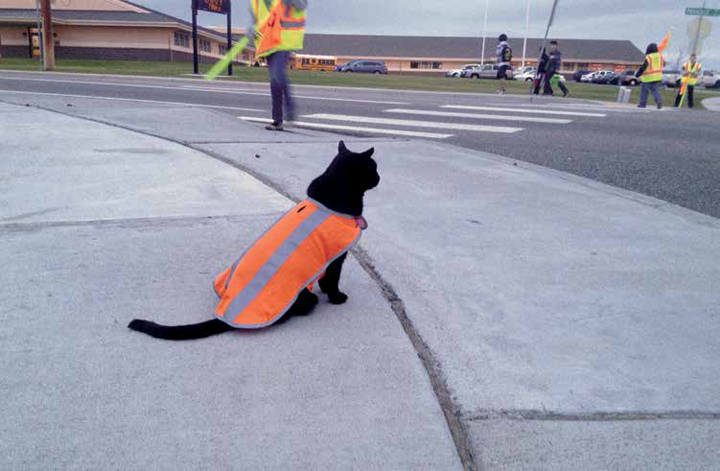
312	62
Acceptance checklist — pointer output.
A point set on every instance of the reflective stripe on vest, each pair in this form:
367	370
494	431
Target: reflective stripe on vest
264	283
690	73
653	72
279	28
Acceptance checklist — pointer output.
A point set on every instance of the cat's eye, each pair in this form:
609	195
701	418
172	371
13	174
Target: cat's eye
299	210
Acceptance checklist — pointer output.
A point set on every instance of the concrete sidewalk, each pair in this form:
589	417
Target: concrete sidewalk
713	104
99	225
574	324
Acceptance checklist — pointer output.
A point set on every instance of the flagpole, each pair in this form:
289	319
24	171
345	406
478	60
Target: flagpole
694	51
527	29
482	58
542	49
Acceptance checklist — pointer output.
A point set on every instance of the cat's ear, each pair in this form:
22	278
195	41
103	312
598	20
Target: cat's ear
341	148
369	152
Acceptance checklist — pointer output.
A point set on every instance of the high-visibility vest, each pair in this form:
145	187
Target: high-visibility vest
265	281
690	73
653	72
278	28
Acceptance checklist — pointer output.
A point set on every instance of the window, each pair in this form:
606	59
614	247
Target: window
181	39
223	49
425	65
205	45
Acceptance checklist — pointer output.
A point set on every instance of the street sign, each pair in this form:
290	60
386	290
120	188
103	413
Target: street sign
214	6
702	11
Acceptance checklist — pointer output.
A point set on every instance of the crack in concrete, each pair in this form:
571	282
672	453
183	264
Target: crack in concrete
451	411
542	415
127	222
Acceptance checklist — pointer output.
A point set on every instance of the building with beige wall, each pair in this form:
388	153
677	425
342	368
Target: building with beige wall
108	30
437	55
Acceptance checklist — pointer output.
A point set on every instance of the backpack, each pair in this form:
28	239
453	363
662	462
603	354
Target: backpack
507	54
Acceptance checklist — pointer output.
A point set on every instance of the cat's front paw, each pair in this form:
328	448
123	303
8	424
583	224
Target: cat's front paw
337	297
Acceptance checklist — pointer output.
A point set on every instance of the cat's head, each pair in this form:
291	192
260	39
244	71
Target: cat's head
342	186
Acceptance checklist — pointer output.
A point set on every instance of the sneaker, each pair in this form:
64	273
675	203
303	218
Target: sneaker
274	127
565	94
501	92
659	106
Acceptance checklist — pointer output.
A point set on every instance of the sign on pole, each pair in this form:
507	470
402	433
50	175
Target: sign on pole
702	11
214	6
222	7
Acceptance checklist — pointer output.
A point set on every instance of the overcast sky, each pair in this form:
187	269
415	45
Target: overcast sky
640	21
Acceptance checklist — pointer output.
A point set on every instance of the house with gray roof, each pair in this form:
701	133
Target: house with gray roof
108	30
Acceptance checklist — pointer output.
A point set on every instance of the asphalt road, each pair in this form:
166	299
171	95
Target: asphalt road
669	154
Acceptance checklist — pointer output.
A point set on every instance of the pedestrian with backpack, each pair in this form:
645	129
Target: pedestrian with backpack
504	59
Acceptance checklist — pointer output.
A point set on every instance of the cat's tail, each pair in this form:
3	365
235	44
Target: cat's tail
180	332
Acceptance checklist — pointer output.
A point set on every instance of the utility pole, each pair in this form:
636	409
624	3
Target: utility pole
48	39
527	29
482	57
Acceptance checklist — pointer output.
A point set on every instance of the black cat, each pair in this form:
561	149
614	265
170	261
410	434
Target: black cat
340	188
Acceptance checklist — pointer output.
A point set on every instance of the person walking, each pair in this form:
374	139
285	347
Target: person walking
551	71
504	59
691	70
278	28
540	74
650	75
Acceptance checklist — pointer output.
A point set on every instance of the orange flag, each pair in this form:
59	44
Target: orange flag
663	44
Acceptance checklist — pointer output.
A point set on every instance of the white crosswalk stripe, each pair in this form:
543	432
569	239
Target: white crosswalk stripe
525	110
450	114
411	123
338	127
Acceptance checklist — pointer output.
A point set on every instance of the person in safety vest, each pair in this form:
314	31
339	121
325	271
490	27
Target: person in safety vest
650	75
278	27
691	71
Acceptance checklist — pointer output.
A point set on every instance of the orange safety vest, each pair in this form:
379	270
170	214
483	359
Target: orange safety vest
281	27
690	72
653	72
265	281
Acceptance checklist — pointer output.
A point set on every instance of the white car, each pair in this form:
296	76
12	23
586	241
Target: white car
708	78
593	76
587	78
458	72
526	74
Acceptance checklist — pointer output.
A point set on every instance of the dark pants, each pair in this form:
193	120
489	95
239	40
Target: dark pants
547	86
654	89
280	86
689	92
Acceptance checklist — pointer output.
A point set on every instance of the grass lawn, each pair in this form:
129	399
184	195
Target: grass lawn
394	82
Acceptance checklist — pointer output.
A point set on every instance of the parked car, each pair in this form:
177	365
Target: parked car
458	72
600	75
671	77
364	66
711	79
607	78
588	78
708	78
625	78
481	71
577	75
525	73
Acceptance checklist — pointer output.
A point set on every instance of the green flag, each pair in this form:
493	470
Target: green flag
227	58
